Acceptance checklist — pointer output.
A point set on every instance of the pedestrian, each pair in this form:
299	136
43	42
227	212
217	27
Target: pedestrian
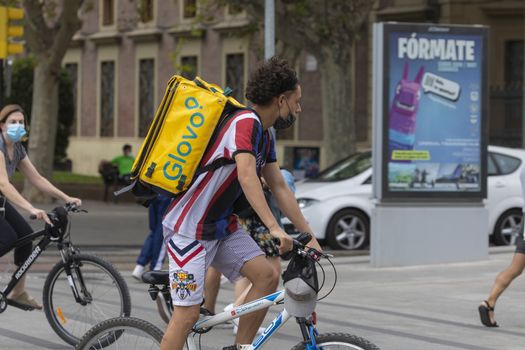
124	163
252	224
505	278
200	226
14	127
153	250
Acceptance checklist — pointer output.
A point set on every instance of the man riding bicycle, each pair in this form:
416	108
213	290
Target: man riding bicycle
200	228
13	127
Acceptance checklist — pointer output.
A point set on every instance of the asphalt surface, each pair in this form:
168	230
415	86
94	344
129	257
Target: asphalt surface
420	307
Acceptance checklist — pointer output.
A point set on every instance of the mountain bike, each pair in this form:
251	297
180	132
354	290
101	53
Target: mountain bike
132	333
80	291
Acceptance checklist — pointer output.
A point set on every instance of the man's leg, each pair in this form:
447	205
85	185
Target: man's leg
264	279
183	318
187	269
211	288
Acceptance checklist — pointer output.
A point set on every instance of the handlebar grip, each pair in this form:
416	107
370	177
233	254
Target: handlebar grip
298	243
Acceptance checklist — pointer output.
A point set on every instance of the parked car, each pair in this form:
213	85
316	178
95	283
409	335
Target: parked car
338	201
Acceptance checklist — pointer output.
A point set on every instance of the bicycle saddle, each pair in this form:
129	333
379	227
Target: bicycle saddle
156	277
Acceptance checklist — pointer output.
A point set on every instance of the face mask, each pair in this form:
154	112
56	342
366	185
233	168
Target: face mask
15	132
284	122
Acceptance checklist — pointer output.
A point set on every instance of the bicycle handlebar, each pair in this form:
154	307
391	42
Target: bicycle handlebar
69	207
299	248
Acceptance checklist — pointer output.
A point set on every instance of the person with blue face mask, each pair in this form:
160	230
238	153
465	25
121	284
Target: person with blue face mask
13	130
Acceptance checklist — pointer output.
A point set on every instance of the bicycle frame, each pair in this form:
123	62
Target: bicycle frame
37	250
256	305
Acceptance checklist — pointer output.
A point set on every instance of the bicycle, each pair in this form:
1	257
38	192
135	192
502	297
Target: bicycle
80	291
130	333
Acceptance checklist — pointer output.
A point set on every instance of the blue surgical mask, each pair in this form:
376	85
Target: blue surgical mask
15	132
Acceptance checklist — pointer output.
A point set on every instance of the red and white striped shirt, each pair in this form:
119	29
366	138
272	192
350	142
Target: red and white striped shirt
205	210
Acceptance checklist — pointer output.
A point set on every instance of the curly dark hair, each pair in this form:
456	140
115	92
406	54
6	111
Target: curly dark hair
271	79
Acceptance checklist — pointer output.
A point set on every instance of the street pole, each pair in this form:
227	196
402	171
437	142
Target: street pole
269	36
269	29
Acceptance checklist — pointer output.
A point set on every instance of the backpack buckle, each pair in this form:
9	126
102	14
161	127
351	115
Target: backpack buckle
182	180
151	168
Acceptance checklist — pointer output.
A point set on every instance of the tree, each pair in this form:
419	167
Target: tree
49	28
326	29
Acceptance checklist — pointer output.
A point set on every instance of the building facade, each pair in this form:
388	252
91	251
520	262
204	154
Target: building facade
126	51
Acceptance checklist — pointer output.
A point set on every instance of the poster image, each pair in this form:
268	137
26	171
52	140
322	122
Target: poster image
305	162
434	111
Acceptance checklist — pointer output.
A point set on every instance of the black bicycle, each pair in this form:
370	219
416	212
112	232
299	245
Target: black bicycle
81	290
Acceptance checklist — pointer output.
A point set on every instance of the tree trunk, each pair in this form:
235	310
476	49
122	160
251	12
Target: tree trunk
338	119
43	125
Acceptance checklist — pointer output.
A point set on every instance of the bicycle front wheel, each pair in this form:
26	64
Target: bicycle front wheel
336	341
121	333
102	294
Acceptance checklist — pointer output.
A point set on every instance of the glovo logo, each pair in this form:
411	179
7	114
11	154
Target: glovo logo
172	169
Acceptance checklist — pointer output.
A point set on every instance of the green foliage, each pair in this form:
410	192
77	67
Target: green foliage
63	177
22	94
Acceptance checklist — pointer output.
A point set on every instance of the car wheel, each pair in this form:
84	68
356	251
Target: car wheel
348	229
507	227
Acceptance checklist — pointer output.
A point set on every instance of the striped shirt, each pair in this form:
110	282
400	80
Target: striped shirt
205	210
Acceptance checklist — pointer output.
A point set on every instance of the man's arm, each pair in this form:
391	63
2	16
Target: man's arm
251	186
286	201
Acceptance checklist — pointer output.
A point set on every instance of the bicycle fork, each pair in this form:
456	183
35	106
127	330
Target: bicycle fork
71	266
309	331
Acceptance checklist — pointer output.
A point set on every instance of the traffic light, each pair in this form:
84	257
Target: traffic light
10	33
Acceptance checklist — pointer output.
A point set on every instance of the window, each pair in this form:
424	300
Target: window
107	98
72	71
188	67
235	75
234	10
108	13
146	91
506	164
146	11
346	168
492	168
190	9
514	62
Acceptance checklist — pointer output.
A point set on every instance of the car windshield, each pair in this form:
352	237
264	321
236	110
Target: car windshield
345	168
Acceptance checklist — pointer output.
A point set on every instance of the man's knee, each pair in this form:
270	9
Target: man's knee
267	277
185	316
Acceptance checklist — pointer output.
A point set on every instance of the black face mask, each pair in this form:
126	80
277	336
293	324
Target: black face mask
284	122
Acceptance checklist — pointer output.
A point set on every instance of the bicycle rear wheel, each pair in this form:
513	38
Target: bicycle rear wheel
121	333
103	292
336	341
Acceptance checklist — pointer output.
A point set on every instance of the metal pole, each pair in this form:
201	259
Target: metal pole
269	29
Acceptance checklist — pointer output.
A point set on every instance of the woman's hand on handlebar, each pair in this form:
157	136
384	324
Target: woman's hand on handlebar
285	241
40	215
73	200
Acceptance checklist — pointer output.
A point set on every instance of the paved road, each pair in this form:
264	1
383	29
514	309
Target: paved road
423	307
410	308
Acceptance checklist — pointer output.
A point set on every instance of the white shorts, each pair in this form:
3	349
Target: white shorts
189	260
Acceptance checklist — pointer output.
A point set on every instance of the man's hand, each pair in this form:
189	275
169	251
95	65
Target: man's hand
314	243
286	242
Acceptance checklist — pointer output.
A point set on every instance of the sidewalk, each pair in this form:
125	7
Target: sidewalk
410	308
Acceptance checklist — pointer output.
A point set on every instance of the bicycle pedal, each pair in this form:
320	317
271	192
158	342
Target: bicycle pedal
20	306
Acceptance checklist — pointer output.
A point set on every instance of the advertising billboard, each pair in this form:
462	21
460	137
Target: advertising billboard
432	110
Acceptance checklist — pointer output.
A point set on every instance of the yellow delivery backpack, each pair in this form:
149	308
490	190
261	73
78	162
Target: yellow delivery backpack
178	137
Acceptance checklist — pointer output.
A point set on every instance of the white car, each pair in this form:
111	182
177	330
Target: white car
338	202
